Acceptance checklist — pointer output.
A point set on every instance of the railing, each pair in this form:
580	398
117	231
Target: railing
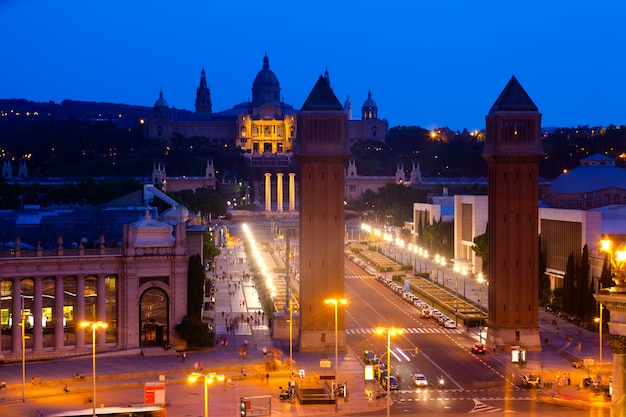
40	253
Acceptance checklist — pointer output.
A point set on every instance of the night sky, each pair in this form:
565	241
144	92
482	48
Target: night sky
429	64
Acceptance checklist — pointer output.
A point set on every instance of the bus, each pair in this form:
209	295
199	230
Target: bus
132	411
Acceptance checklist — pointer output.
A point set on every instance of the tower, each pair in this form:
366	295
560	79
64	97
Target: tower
203	99
322	153
513	150
400	177
416	173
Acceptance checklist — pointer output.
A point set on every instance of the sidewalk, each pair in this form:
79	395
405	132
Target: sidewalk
132	369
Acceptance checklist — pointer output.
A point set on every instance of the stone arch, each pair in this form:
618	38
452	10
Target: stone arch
154	317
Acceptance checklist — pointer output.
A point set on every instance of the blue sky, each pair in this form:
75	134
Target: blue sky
427	63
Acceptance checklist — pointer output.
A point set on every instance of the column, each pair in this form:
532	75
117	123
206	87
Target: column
101	311
268	192
618	347
37	315
279	191
59	331
79	313
16	315
292	191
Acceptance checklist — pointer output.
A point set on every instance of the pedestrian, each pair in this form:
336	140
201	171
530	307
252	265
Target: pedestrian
243	373
184	356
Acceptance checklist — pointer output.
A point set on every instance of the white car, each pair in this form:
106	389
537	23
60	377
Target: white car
420	381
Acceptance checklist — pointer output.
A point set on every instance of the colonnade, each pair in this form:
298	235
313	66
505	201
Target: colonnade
36	308
279	192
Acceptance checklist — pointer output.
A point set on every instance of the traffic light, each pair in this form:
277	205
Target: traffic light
417	350
243	408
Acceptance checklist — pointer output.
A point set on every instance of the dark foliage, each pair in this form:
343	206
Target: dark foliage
195	333
195	287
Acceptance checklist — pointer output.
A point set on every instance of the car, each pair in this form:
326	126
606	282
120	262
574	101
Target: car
531	381
479	348
425	313
393	384
420	381
450	324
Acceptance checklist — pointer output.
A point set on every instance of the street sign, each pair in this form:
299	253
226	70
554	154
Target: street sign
324	363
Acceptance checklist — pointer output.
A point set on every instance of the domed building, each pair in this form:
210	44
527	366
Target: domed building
597	182
262	126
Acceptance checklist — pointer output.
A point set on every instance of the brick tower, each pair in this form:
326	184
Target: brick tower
322	153
513	150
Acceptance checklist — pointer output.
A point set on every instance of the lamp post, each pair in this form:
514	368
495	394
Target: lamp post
23	324
208	380
391	331
600	335
336	302
480	302
291	338
94	326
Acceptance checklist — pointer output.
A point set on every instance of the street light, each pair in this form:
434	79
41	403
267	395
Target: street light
391	331
600	335
336	302
94	326
208	379
480	302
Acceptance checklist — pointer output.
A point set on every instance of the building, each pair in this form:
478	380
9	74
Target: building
261	126
125	265
580	187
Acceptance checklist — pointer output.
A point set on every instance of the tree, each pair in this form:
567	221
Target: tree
569	283
481	249
606	278
195	287
209	250
587	305
194	332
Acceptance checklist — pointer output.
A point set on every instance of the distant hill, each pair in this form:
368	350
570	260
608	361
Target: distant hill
123	115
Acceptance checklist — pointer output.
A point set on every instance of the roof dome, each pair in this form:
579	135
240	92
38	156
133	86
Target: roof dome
161	103
150	232
369	109
175	215
265	87
596	172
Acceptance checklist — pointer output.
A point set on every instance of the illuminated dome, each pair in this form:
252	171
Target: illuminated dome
161	109
369	109
265	88
595	173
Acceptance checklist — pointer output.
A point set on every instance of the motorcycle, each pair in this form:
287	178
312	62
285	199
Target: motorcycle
441	383
285	394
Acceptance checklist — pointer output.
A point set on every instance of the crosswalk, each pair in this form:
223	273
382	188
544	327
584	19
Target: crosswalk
360	277
411	330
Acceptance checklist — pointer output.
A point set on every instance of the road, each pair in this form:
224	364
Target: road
474	383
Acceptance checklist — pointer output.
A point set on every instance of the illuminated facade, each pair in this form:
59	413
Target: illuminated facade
263	125
136	283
